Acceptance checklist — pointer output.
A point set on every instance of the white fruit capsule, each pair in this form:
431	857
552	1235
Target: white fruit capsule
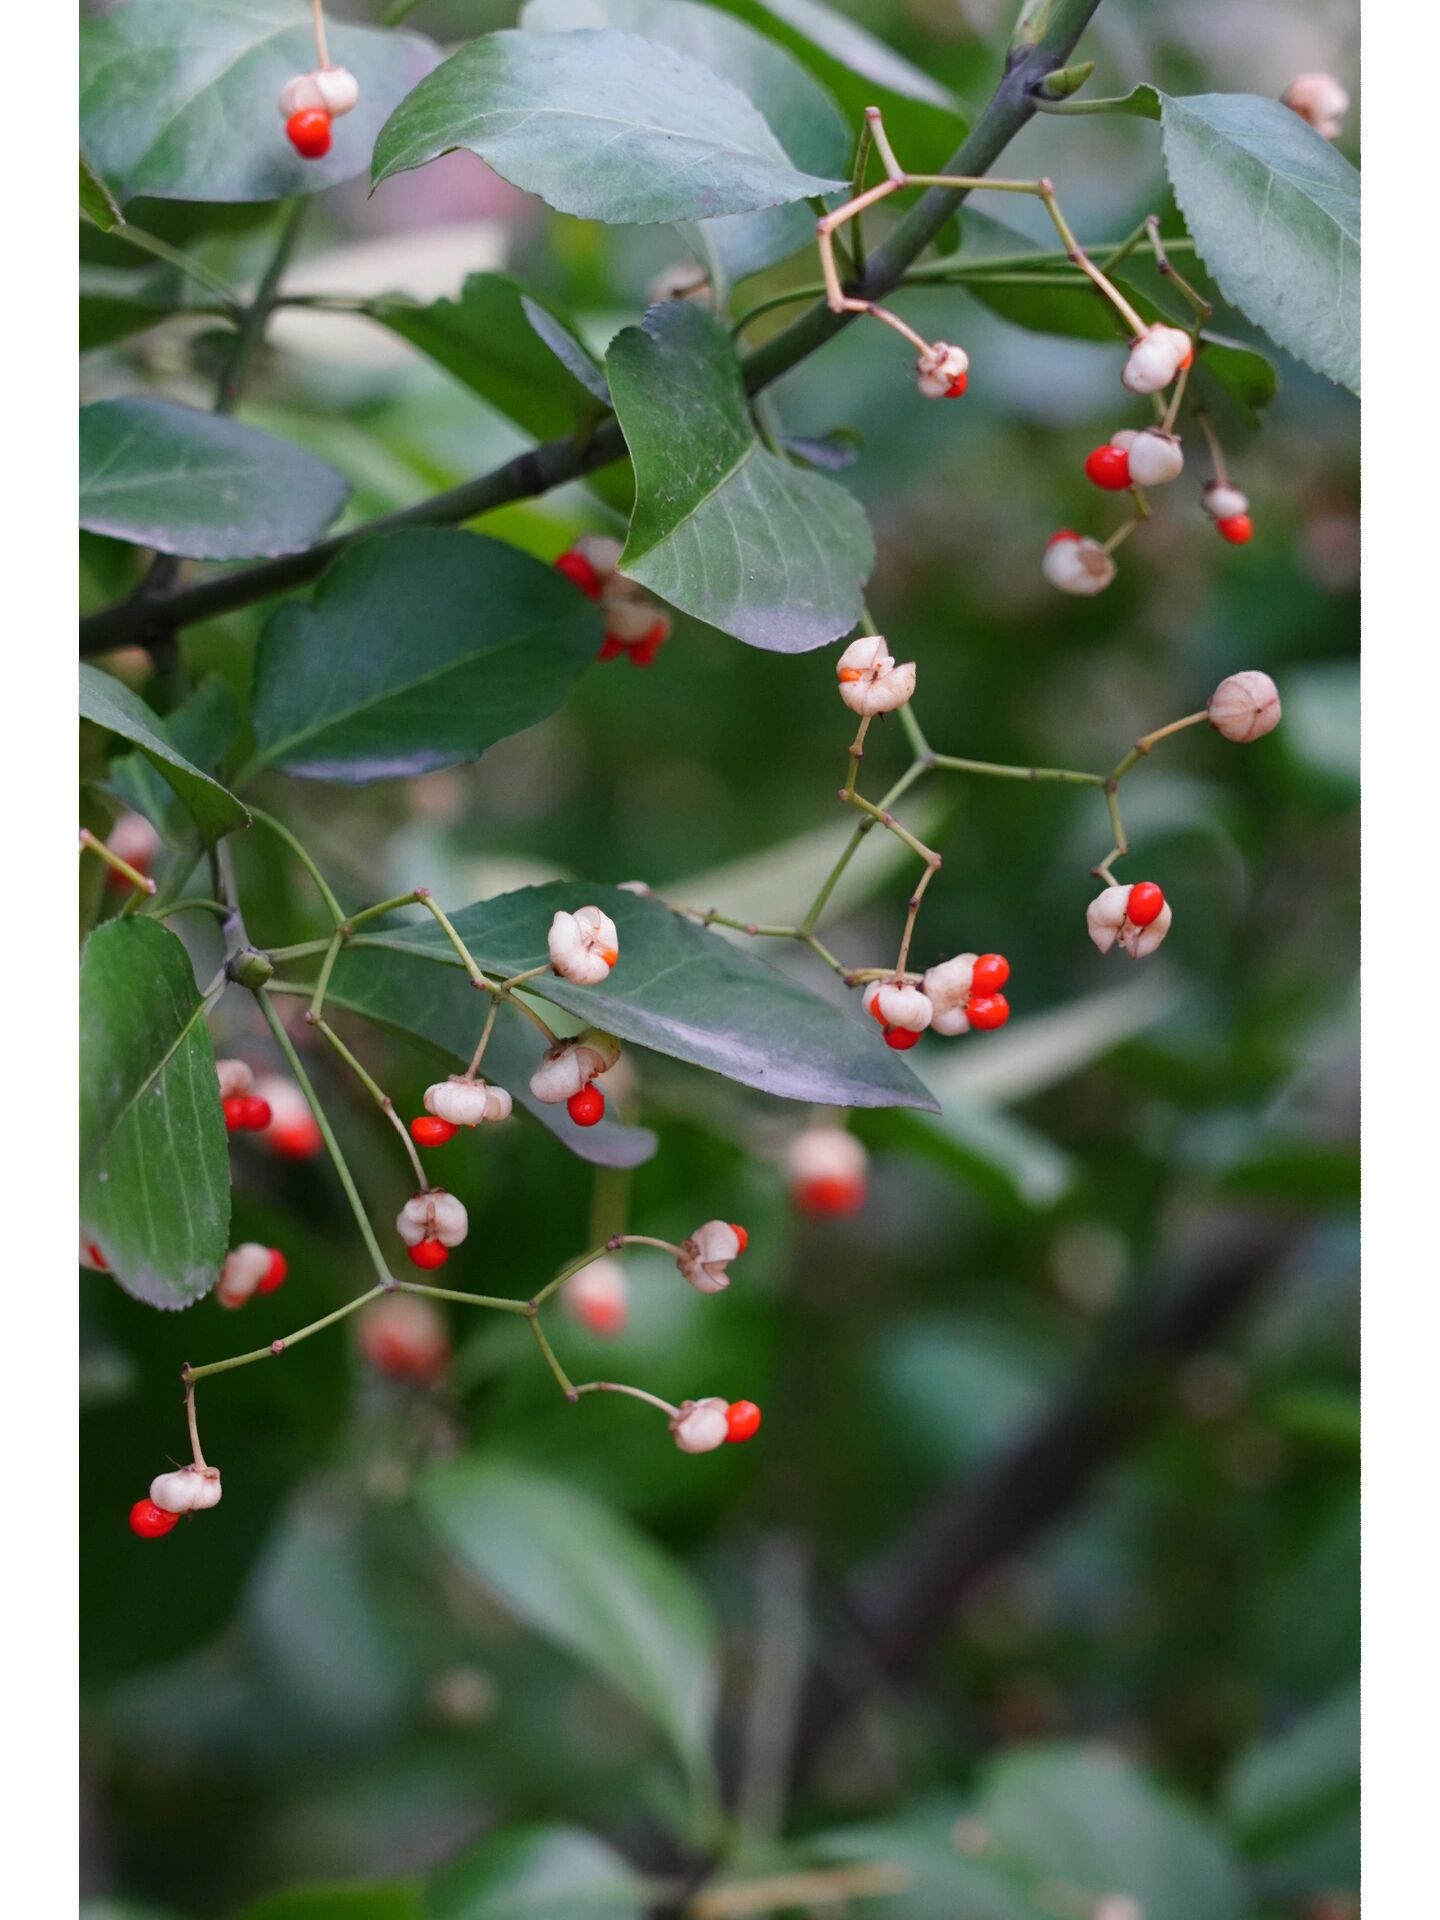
584	946
870	681
302	95
1222	501
1075	563
339	89
941	371
630	621
947	988
435	1215
1245	706
700	1426
895	1004
704	1257
405	1337
187	1490
1320	99
1109	922
598	1296
135	840
1155	458
466	1103
245	1267
825	1153
603	553
235	1078
1156	356
571	1066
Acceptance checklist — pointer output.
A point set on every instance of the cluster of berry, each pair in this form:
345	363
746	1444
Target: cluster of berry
311	103
634	626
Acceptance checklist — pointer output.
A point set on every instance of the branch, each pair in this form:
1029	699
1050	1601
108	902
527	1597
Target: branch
558	461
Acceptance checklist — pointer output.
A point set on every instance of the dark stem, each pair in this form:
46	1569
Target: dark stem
558	461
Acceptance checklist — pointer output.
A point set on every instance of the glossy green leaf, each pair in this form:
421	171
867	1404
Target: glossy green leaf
591	1583
179	98
203	730
97	204
537	1873
110	704
439	1007
420	649
488	340
685	992
1092	1820
800	113
154	1160
722	528
388	1900
183	481
568	348
604	125
1275	213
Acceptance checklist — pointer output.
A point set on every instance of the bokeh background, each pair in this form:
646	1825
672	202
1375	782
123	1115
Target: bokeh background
1070	1409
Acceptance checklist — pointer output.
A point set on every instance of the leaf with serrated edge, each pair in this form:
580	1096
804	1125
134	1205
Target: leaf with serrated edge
603	125
722	528
683	991
184	481
110	704
154	1160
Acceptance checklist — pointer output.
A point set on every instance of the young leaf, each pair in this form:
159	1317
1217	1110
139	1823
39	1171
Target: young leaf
110	704
439	1007
603	125
420	649
179	98
1275	212
540	1872
488	339
154	1160
591	1583
722	528
685	992
183	481
800	113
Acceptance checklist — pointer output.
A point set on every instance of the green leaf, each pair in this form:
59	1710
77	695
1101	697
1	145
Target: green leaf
1091	1820
154	1161
1293	1800
537	1873
603	125
202	731
179	98
568	348
590	1582
97	204
488	340
722	528
1275	213
684	992
183	481
800	113
439	1007
420	649
111	704
389	1900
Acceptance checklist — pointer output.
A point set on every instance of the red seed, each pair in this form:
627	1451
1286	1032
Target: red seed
740	1234
299	1140
233	1109
429	1254
97	1258
275	1274
586	1107
1109	467
990	973
1239	529
830	1194
900	1038
576	567
957	386
1065	533
1146	903
255	1113
428	1130
149	1521
309	132
742	1420
643	651
986	1011
610	648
